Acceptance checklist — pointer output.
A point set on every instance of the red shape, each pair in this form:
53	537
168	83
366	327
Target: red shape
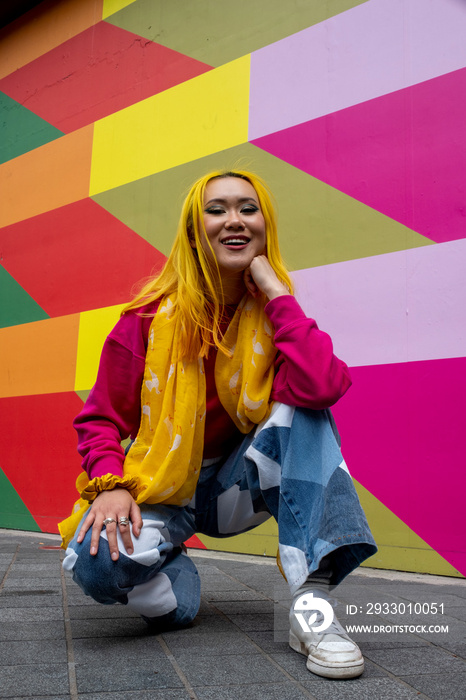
403	154
402	428
195	543
39	457
100	71
76	258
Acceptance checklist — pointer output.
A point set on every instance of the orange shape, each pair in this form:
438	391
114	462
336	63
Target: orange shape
39	357
44	28
48	177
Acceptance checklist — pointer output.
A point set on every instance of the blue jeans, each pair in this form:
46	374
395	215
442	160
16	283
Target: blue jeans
290	468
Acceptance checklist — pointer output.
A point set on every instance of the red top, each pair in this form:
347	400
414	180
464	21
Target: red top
307	374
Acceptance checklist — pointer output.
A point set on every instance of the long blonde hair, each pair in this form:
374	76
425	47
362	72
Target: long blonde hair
195	283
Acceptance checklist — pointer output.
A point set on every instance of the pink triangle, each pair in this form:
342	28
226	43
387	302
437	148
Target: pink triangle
403	154
402	429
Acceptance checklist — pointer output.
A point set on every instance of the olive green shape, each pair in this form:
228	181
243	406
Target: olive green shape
22	130
218	31
318	225
13	512
17	306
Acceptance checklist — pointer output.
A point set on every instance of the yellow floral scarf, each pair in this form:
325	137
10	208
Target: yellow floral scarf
163	463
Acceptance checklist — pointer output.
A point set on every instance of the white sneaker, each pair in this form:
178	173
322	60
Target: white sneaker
330	653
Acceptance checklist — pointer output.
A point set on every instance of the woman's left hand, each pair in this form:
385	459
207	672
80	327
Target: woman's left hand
260	277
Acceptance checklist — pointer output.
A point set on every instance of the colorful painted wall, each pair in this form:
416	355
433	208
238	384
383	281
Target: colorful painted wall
355	113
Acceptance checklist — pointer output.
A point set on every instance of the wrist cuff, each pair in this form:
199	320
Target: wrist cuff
109	482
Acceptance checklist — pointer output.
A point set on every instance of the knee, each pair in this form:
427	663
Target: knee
109	581
182	577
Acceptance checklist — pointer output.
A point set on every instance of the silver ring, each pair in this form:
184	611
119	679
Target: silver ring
107	521
123	521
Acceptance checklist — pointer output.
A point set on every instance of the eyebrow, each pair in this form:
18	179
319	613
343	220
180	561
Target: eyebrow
221	200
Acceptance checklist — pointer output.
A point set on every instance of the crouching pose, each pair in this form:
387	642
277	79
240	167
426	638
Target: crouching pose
224	385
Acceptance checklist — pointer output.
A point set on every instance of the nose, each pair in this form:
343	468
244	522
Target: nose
234	221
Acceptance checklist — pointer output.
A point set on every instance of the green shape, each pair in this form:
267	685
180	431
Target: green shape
83	394
218	31
17	306
400	548
13	512
318	225
22	130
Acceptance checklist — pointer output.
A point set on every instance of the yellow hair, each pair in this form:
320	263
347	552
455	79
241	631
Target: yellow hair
188	274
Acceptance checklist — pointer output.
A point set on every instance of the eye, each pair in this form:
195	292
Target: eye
214	210
249	209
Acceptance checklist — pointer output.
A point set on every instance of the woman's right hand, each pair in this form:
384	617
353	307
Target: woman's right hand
117	503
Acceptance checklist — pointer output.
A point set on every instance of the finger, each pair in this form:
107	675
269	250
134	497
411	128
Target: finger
125	532
136	519
95	537
85	527
111	530
251	286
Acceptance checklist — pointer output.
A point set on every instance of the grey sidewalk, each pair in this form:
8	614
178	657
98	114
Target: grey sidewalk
57	644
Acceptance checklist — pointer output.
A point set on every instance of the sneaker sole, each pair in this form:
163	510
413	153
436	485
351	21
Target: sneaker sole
347	670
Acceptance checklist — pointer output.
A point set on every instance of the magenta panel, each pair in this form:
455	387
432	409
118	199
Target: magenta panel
403	154
400	427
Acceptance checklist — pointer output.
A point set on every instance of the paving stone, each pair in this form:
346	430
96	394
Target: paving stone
122	650
457	613
414	661
27	652
260	691
34	680
252	622
439	687
207	608
393	641
228	669
23	631
47	697
221	584
139	675
295	664
30	614
108	628
360	689
224	652
268	642
34	585
205	625
96	612
43	568
25	599
245	594
165	694
458	648
219	643
241	607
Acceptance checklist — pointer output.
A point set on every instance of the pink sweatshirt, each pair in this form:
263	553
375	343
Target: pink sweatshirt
307	374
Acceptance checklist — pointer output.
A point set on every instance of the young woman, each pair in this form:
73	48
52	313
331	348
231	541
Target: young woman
224	385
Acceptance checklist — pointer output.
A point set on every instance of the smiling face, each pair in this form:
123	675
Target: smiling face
234	224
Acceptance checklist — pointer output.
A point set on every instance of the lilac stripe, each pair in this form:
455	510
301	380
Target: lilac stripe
398	307
373	49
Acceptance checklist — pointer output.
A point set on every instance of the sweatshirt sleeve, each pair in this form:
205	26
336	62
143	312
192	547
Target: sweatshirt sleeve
112	410
307	373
